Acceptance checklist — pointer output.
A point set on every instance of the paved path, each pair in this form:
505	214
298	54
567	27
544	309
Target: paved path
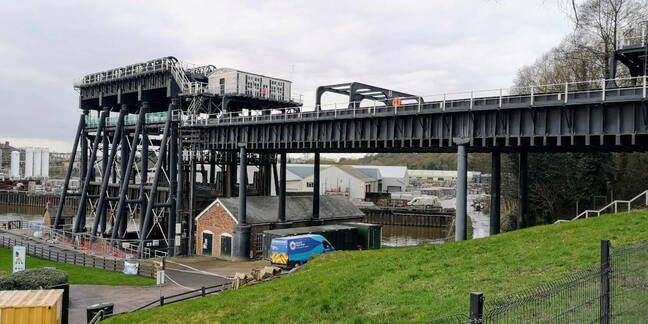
129	298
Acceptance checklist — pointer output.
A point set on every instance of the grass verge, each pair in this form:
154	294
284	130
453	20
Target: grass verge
77	274
411	284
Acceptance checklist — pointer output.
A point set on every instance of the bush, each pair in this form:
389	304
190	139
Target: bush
33	279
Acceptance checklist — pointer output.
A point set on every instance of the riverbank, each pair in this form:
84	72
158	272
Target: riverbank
410	284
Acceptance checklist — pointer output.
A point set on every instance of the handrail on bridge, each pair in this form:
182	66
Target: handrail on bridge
563	92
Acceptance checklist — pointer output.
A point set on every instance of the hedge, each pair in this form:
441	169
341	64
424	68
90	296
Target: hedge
33	279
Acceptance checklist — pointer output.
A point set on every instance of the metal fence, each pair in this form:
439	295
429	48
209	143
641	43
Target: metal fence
165	300
51	253
614	291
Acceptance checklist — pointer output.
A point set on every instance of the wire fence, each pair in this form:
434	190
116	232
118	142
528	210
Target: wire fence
614	291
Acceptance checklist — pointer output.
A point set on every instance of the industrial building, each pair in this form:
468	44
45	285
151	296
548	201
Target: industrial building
353	181
215	224
443	175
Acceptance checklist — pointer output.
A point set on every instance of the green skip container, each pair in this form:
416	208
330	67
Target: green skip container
369	235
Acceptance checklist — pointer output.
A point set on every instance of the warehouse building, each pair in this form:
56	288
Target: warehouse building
215	224
353	181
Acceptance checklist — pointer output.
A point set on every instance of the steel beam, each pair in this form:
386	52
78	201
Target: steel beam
173	182
148	219
80	219
144	169
104	180
66	182
495	194
121	221
461	217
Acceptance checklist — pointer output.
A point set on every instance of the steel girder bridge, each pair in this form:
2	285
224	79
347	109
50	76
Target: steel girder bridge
158	123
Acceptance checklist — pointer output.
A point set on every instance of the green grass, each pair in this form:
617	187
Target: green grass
411	284
77	275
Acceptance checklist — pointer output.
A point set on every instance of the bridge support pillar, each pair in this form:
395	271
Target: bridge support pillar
523	190
242	230
281	219
316	190
461	217
495	194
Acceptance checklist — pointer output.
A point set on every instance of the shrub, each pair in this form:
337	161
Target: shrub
33	279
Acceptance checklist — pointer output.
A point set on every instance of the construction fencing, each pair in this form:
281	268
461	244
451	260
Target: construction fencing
614	291
55	254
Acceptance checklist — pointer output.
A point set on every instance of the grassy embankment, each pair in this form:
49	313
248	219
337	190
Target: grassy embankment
411	284
77	274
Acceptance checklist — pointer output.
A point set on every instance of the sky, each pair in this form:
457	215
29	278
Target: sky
419	47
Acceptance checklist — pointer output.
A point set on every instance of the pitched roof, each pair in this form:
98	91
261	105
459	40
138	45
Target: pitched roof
388	171
372	172
358	173
302	170
263	209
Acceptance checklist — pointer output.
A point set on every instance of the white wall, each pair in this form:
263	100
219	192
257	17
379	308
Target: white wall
336	179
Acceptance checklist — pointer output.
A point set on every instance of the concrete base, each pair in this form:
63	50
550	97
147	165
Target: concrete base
316	222
282	225
241	242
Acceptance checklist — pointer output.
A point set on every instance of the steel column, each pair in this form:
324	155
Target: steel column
242	230
104	180
523	190
461	217
80	218
180	193
495	194
192	202
316	188
281	221
158	170
173	182
144	168
121	221
66	182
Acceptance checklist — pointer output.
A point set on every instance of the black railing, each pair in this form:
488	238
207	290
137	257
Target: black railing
196	293
616	290
51	253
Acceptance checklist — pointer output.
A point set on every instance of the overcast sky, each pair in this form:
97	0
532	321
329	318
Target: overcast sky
419	47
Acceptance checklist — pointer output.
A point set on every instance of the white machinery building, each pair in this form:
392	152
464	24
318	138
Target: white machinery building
234	82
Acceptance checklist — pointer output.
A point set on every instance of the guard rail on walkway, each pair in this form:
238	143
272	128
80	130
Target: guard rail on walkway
611	206
197	293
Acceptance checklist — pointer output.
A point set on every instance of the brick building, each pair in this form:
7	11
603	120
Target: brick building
215	225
